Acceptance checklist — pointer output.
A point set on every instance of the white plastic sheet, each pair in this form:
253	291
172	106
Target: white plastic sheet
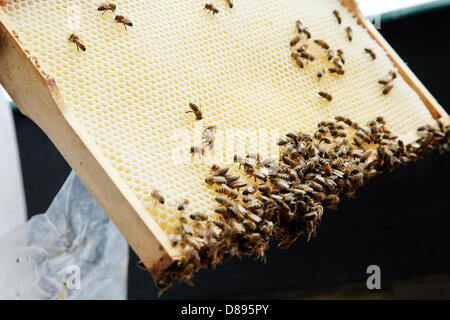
13	210
73	251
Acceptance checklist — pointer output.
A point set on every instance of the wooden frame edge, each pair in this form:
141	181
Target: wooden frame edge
436	110
37	96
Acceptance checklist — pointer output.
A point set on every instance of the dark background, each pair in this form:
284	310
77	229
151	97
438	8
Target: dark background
399	221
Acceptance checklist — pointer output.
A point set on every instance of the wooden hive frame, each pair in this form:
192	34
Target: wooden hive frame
37	96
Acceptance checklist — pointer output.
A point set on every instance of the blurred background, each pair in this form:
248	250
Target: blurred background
399	221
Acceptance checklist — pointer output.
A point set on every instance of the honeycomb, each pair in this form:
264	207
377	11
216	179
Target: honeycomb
130	90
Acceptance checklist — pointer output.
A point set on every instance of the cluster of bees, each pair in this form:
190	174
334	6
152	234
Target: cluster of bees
300	54
285	196
210	8
387	82
103	7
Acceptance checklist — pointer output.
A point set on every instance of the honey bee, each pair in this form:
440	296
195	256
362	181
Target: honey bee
326	95
338	16
199	216
357	141
123	20
391	76
349	31
253	238
175	239
216	180
293	136
380	120
265	188
230	178
322	44
332	202
294	41
287	242
340	72
163	284
223	201
195	109
107	6
237	227
303	29
254	217
330	54
315	186
75	39
338	63
238	184
221	210
233	211
219	171
308	56
298	60
230	3
372	53
388	89
321	74
249	225
183	205
282	184
302	48
186	227
224	189
311	216
197	150
253	205
238	159
219	223
210	8
340	53
158	197
267	228
289	161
